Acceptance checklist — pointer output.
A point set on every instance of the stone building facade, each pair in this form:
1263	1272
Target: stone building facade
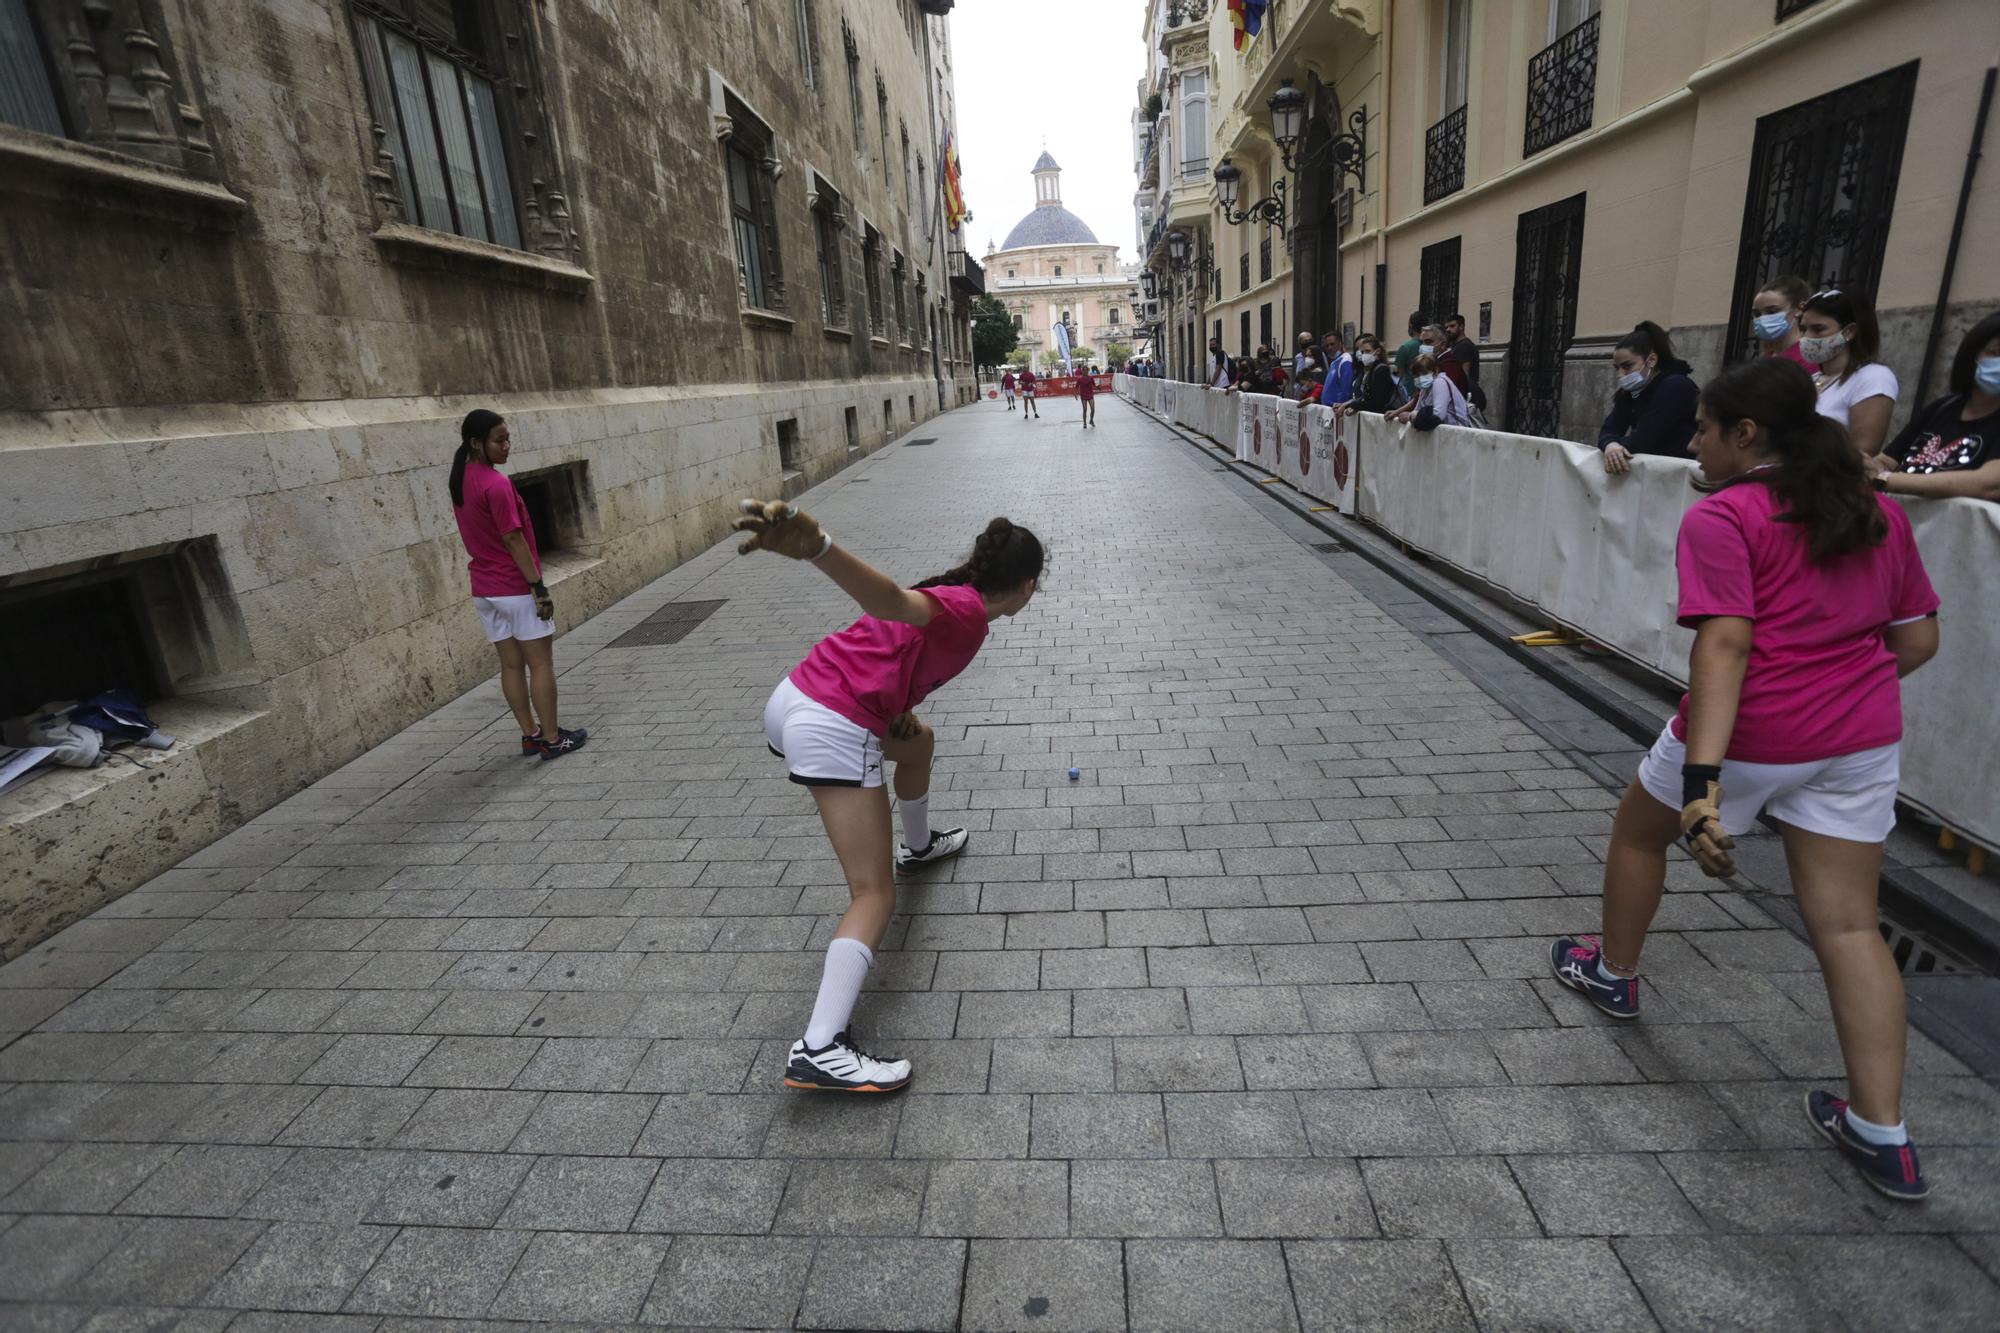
1052	269
261	257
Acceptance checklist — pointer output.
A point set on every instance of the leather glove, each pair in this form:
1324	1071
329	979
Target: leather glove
776	526
903	726
545	605
1701	820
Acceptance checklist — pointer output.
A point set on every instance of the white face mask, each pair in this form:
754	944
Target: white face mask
1633	382
1424	381
1365	358
1820	350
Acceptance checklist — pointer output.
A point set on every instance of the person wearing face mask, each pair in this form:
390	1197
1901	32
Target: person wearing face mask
1375	386
1952	447
1439	402
1838	334
1339	384
1774	318
1408	352
1652	410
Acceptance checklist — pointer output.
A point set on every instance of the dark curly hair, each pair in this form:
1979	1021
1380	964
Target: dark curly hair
1003	557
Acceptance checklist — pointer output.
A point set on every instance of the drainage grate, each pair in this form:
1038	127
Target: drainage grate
918	444
670	624
1916	956
1329	548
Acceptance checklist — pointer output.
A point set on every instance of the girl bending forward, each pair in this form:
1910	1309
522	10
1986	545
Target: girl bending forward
844	710
1809	603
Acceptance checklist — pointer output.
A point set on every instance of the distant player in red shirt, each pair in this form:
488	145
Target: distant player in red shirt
1007	387
1027	383
844	710
1086	394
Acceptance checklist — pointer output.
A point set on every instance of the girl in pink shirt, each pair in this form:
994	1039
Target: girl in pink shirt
844	710
1809	603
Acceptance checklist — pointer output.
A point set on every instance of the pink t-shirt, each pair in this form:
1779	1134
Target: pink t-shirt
492	509
1793	353
875	669
1821	682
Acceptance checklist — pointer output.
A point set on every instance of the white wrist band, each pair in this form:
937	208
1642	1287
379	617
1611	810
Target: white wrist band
827	546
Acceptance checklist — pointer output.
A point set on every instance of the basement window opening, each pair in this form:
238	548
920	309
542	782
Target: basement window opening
559	506
788	444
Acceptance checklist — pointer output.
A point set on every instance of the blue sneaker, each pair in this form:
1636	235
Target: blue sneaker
1890	1167
566	742
1574	961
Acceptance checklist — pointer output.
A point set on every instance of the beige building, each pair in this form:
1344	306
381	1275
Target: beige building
1560	169
262	257
1052	269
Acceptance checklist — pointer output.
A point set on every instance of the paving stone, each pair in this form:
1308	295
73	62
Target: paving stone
580	1194
1032	1065
449	1273
1563	1055
1447	1197
1044	1284
1130	1013
1769	1192
473	1062
1432	1059
821	1200
1225	1286
995	969
827	1126
1011	1014
714	1197
1143	1198
1093	969
1543	1283
168	1261
302	1266
1496	1003
383	1061
1324	1060
1312	964
1098	1125
705	1125
993	1125
326	1185
885	1284
1887	1282
1626	1194
205	1181
730	1281
567	1276
1160	1064
468	1120
1234	1124
1393	1006
997	1199
1293	1197
1369	1285
449	1189
353	1117
40	1256
1726	1282
596	1123
87	1178
583	1064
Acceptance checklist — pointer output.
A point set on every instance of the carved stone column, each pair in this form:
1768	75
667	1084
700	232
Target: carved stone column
124	89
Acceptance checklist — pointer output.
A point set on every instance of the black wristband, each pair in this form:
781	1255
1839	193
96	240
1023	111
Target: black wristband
1695	779
539	588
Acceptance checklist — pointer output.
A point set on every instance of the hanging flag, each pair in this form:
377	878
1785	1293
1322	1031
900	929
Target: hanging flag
1237	20
1247	17
954	193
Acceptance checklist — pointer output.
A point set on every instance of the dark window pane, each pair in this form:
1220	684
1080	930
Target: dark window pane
26	99
433	202
457	135
486	136
375	74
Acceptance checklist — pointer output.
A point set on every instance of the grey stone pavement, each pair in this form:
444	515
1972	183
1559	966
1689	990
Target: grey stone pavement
1247	1029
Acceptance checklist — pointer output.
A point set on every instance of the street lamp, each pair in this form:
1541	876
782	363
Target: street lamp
1346	151
1288	118
1229	188
1177	247
1150	283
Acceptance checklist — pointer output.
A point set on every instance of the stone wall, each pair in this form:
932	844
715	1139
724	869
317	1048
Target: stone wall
246	376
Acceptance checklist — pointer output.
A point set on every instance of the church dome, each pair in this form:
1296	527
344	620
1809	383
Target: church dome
1050	223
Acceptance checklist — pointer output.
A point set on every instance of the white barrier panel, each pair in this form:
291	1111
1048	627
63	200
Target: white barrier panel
1328	469
1169	392
1246	420
1285	443
1543	520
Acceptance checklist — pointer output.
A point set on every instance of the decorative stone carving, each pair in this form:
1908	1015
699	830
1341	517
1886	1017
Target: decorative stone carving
116	71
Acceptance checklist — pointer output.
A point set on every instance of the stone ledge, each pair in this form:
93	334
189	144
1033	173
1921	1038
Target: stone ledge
840	334
769	319
64	169
421	247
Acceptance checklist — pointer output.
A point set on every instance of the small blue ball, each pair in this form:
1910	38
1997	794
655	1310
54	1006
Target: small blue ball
1074	774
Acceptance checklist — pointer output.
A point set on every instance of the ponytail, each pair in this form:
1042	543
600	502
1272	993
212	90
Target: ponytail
1003	557
1819	479
478	424
1647	339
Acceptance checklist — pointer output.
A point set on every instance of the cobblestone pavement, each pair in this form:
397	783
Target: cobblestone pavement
1246	1029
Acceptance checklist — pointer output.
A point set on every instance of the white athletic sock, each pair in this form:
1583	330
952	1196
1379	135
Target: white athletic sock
1870	1132
916	822
847	963
1604	971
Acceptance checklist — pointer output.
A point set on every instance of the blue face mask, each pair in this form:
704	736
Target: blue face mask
1770	328
1986	374
1633	382
1424	381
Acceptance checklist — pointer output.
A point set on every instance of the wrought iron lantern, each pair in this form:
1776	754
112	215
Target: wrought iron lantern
1288	118
1229	188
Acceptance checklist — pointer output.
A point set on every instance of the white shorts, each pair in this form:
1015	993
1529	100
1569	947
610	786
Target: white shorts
822	748
512	618
1851	796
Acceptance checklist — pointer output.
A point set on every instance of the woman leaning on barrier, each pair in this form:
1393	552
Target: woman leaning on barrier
1376	388
1840	336
1809	603
1652	409
1439	402
1952	447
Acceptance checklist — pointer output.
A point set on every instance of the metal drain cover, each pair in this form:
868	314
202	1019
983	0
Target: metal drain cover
918	444
1329	548
670	624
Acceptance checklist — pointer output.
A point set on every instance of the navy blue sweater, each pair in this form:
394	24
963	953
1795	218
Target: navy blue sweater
1659	419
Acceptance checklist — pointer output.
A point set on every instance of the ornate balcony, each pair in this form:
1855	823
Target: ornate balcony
1562	87
967	277
1444	157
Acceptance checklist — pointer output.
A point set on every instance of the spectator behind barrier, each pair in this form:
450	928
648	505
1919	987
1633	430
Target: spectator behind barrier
1652	409
1412	347
1952	447
1438	342
1839	335
1376	388
1339	384
1439	402
1774	318
1466	353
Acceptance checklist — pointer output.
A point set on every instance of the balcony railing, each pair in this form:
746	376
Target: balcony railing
1444	157
1562	87
966	274
1193	168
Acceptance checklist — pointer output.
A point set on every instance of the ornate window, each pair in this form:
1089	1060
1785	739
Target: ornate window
1562	77
853	53
751	169
1444	157
1437	280
828	224
871	272
1194	124
808	34
897	276
105	73
882	115
1264	256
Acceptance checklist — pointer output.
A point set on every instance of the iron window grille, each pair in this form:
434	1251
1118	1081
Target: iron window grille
751	171
1822	191
1548	254
440	110
1243	272
1562	87
1264	256
1444	157
827	227
852	50
1437	283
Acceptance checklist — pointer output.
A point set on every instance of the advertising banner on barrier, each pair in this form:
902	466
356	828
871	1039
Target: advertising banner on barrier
1329	470
1951	766
1285	460
1164	404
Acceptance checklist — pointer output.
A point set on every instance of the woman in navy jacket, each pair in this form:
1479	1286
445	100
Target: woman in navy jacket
1652	411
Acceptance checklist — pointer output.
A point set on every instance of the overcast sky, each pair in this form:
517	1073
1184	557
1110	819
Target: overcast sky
1060	72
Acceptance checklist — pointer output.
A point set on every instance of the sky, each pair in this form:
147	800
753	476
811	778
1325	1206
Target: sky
1056	73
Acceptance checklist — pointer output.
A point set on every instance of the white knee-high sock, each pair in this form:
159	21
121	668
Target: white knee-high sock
916	822
847	963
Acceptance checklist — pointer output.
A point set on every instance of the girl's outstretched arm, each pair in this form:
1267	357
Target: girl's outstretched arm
785	530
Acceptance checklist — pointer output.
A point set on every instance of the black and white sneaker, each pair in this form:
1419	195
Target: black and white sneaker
842	1066
944	844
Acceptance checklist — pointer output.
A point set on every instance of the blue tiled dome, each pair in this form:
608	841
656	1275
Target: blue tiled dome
1049	226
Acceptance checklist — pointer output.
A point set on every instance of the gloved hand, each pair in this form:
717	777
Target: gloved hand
776	526
545	605
903	726
1701	820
